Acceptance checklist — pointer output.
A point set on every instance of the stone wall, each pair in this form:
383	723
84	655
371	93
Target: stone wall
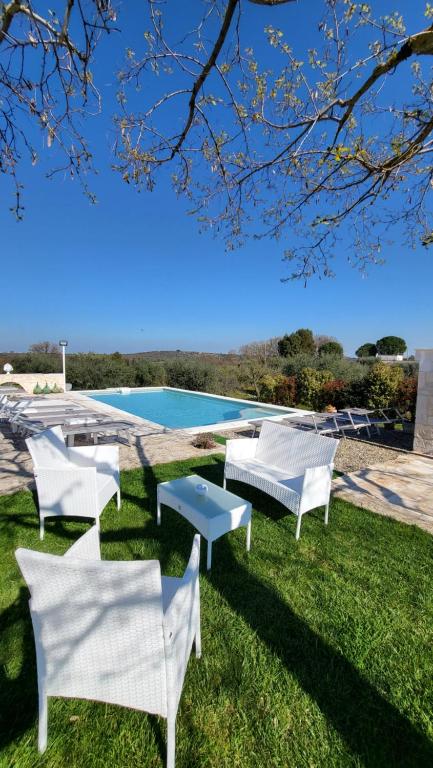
423	438
28	381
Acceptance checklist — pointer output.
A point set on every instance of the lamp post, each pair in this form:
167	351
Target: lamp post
7	369
63	344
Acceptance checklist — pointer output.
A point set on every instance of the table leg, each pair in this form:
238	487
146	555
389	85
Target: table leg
249	536
158	512
209	555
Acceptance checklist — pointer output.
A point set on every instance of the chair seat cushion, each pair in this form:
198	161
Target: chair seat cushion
270	473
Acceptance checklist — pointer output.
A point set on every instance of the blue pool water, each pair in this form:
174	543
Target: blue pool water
179	410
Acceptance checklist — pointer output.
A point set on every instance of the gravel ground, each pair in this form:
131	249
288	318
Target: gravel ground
353	454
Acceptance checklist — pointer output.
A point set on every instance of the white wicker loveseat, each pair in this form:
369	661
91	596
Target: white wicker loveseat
292	466
115	632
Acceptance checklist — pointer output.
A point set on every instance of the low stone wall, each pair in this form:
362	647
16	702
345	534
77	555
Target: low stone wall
423	436
28	381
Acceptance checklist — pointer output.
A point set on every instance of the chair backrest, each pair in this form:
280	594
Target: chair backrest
48	448
98	629
293	449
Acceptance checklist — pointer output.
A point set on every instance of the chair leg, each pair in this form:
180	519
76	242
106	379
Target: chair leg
41	528
224	482
98	523
171	741
43	722
327	513
298	526
118	499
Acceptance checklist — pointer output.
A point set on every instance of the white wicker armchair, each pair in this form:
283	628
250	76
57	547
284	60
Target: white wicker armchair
292	466
77	482
115	632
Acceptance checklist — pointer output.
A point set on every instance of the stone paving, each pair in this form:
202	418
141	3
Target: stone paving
397	484
402	489
16	470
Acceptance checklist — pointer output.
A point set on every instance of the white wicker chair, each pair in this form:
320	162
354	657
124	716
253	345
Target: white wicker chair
76	482
292	466
115	632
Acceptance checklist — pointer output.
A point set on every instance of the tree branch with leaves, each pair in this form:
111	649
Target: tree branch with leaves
46	84
312	148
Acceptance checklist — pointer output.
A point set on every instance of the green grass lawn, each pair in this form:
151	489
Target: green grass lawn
316	653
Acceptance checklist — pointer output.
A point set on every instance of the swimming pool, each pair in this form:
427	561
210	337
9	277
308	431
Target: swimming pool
181	410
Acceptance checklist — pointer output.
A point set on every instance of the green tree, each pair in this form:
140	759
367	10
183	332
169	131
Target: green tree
331	348
366	350
391	345
296	343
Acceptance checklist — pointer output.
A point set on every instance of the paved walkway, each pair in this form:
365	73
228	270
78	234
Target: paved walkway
150	448
402	489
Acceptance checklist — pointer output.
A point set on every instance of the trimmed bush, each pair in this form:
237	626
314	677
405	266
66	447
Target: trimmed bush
310	384
335	393
406	396
382	384
285	391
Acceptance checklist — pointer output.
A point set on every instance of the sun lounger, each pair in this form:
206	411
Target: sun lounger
100	428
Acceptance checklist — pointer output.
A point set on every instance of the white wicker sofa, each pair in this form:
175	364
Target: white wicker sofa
292	466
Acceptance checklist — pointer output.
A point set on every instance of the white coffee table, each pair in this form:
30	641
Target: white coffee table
214	514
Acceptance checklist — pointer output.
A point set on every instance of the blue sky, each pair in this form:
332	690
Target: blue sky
133	273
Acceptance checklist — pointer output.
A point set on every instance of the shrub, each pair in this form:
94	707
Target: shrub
406	396
335	393
381	385
310	383
148	374
204	440
285	391
190	376
267	387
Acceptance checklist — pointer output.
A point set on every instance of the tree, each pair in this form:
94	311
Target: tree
46	80
44	347
323	142
366	350
391	345
331	348
330	141
301	341
256	362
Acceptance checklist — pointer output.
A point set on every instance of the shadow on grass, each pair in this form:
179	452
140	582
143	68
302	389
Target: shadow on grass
373	728
18	698
370	725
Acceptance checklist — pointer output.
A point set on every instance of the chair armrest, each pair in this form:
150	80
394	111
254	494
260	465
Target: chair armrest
316	487
87	547
241	448
181	595
95	456
67	490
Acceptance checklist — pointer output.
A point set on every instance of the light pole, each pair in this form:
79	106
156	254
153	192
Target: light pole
63	344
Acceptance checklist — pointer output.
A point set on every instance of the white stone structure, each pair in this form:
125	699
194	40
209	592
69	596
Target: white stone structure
28	381
423	439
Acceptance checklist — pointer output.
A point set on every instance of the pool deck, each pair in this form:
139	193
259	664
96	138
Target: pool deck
400	486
